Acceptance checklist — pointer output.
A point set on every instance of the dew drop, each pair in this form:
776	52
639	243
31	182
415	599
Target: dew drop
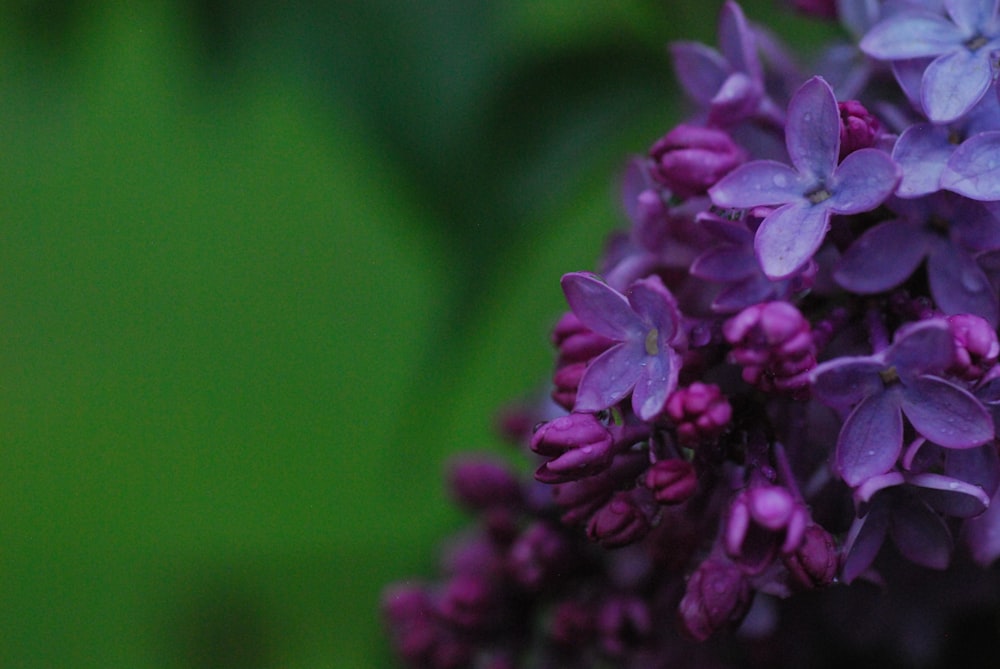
953	486
780	180
971	282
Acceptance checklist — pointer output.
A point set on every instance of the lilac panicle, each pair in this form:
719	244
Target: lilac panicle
644	362
785	381
814	188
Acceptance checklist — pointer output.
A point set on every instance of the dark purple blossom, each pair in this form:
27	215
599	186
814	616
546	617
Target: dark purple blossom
700	412
672	481
773	343
577	445
859	129
718	595
644	362
626	518
815	563
961	45
762	521
901	380
810	191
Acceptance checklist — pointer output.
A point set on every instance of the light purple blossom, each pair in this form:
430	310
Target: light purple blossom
810	191
645	361
961	45
901	380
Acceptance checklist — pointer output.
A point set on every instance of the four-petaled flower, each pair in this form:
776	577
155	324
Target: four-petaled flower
901	380
644	361
811	191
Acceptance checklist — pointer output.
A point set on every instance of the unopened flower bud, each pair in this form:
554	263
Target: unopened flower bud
477	484
700	413
469	601
566	382
691	159
976	346
623	622
672	481
762	520
541	552
718	595
773	343
858	127
621	521
577	343
815	562
579	445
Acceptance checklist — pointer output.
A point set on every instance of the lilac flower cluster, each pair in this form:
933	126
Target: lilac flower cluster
780	388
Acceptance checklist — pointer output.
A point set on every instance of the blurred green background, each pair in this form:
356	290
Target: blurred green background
263	267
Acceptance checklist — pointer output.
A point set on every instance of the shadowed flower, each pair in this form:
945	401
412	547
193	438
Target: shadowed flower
810	191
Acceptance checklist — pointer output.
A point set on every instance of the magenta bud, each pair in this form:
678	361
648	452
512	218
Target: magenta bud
469	601
718	595
621	521
576	342
566	381
622	623
773	343
700	413
540	553
858	127
672	481
976	346
815	562
761	521
691	159
579	445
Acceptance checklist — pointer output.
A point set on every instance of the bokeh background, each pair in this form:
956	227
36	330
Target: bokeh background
263	268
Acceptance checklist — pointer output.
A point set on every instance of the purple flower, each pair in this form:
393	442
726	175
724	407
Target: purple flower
960	44
729	84
762	520
901	380
811	191
644	362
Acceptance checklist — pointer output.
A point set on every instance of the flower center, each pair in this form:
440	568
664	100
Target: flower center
889	376
818	194
651	346
976	43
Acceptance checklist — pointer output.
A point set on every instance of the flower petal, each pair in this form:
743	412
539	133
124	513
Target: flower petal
974	168
864	542
949	495
653	303
921	152
737	42
600	307
700	69
812	132
882	258
725	263
912	34
954	83
871	439
946	414
959	285
921	347
789	236
757	183
610	377
971	15
657	381
863	181
920	534
845	381
982	534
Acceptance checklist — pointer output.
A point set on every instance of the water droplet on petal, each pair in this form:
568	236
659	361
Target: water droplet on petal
953	486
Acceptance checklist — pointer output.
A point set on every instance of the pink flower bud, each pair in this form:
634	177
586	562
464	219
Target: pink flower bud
815	562
858	127
691	159
718	595
672	481
620	522
579	445
976	346
700	413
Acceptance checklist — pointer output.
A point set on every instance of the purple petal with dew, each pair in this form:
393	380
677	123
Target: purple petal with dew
600	307
864	542
657	381
871	439
725	263
882	258
920	534
812	131
737	42
921	153
789	236
974	168
654	304
959	285
863	181
610	377
971	15
756	183
954	83
949	495
843	382
982	534
912	34
977	466
946	414
700	69
922	347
